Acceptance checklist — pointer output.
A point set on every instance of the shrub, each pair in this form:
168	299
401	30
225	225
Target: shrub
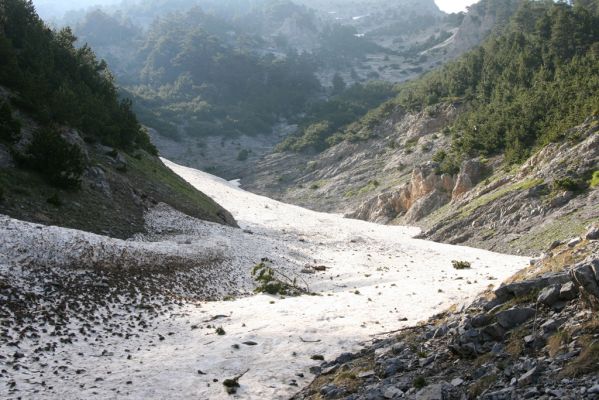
419	382
54	200
243	155
461	264
569	184
56	159
10	128
594	182
274	282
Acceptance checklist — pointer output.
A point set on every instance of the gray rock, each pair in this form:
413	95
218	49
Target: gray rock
550	326
470	174
344	358
426	205
331	391
592	233
392	393
517	289
555	244
457	382
495	331
584	275
366	374
503	394
481	320
568	291
431	392
574	242
594	389
514	317
532	393
528	378
561	199
549	295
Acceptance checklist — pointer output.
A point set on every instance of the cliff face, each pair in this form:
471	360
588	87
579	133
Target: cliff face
426	191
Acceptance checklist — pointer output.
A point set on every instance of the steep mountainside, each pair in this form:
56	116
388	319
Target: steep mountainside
71	152
468	126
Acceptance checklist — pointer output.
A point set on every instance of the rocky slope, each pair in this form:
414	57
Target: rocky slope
389	178
533	337
344	176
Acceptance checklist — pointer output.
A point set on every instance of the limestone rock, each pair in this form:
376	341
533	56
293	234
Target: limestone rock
470	174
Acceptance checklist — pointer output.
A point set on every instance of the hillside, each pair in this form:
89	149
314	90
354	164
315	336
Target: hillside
466	129
222	83
72	152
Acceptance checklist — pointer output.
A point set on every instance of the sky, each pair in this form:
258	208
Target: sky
454	5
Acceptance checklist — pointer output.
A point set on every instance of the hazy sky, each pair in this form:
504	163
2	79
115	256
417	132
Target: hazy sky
454	5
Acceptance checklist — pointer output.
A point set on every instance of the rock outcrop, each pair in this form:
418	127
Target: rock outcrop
426	191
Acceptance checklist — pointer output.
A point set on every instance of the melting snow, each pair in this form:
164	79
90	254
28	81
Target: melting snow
376	277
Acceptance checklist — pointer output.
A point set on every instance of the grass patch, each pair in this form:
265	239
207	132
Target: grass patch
564	227
171	188
594	182
587	362
419	382
515	343
478	387
556	341
485	199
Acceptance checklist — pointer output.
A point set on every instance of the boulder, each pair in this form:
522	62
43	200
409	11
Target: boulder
586	276
550	295
528	378
514	317
592	233
568	291
517	289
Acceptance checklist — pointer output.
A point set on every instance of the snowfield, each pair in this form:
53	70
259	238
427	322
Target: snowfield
134	320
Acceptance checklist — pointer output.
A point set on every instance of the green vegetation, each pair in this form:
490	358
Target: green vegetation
522	88
243	155
273	282
461	264
52	156
527	84
325	118
189	72
594	182
419	382
10	128
61	84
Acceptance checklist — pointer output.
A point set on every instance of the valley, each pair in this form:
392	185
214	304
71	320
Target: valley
299	199
159	338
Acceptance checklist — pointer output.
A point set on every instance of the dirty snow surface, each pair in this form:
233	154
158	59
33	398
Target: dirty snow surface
85	316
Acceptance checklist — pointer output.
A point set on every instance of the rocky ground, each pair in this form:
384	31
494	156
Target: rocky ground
536	336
